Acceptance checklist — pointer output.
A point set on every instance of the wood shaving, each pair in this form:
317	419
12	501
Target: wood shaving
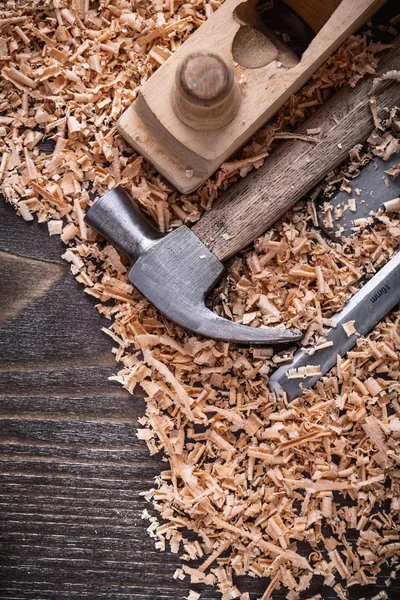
392	205
394	171
255	481
303	372
349	328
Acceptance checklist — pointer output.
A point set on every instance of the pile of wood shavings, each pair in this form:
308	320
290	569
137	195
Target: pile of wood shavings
249	476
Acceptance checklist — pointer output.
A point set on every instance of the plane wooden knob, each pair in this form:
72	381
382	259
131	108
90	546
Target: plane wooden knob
206	95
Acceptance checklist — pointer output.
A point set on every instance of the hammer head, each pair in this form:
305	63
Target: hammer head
175	272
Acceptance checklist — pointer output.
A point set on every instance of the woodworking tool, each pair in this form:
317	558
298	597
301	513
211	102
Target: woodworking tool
229	78
369	305
176	271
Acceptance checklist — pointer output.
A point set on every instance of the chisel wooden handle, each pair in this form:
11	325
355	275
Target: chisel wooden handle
256	202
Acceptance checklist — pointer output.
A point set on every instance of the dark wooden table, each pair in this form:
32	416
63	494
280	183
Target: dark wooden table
71	467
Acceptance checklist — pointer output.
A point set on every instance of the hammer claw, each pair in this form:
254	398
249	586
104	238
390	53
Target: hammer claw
213	326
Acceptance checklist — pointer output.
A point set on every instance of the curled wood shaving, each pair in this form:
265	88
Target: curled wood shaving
349	328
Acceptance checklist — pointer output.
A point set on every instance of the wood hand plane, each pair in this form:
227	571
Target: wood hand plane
229	78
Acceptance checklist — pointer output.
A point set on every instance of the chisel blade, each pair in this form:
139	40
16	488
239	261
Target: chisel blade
370	190
366	308
371	303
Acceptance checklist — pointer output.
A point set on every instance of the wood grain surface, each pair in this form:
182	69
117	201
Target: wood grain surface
71	467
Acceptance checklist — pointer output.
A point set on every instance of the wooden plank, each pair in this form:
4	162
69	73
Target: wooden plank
50	379
42	307
96	405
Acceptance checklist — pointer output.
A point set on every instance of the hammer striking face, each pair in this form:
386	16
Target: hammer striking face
175	272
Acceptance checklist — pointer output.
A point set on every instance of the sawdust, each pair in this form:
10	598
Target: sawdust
249	476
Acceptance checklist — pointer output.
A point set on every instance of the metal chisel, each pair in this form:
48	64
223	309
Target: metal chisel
366	308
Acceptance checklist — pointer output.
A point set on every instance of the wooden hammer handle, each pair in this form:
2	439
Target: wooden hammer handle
253	204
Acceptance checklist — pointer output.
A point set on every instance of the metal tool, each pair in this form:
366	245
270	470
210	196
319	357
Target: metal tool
371	303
